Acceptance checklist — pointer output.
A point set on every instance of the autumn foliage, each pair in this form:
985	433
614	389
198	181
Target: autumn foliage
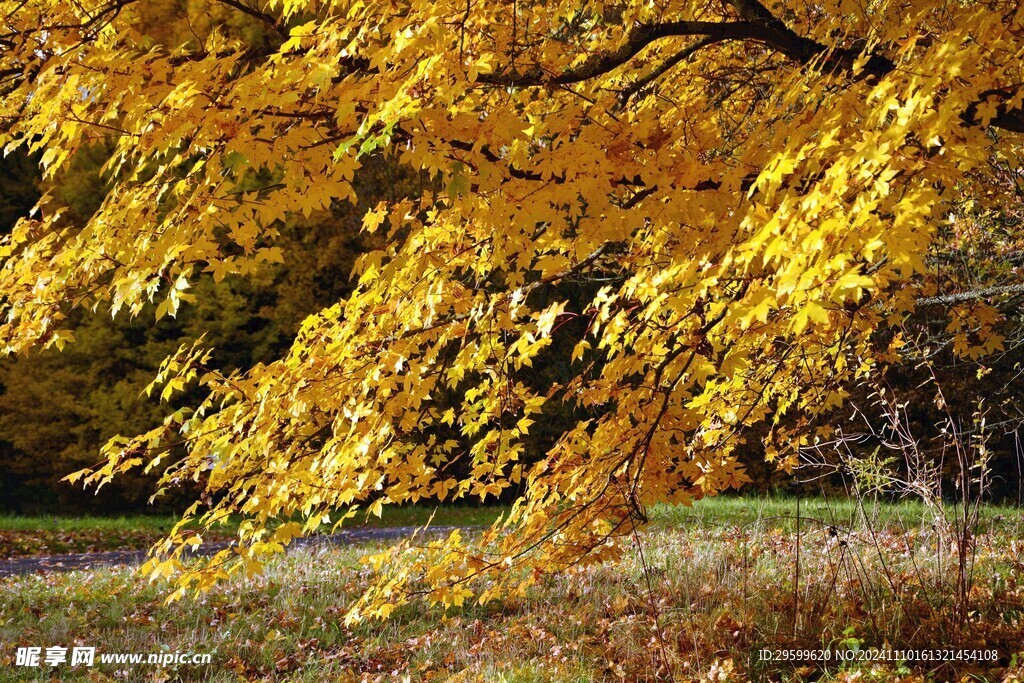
717	206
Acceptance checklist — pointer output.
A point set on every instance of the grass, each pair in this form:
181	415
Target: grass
724	586
47	534
409	515
153	523
778	511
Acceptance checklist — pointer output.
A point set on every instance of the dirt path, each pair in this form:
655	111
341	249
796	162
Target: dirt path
67	563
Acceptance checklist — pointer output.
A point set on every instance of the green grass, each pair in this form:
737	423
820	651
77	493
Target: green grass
723	582
49	535
781	512
408	515
46	534
86	523
719	510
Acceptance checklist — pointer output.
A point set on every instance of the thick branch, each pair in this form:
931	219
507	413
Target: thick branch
713	31
267	19
758	24
803	50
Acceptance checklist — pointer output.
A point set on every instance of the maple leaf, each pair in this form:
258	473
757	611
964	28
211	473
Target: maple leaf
727	187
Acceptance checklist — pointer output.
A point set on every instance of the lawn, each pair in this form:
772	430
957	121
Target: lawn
50	535
47	534
723	586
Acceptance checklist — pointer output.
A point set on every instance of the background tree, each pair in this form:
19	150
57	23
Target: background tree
947	384
57	409
753	189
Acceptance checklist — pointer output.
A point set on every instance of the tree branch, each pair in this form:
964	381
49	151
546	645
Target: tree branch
640	38
627	94
801	49
267	19
757	24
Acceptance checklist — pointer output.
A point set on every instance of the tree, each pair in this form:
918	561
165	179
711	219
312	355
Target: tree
58	408
752	189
